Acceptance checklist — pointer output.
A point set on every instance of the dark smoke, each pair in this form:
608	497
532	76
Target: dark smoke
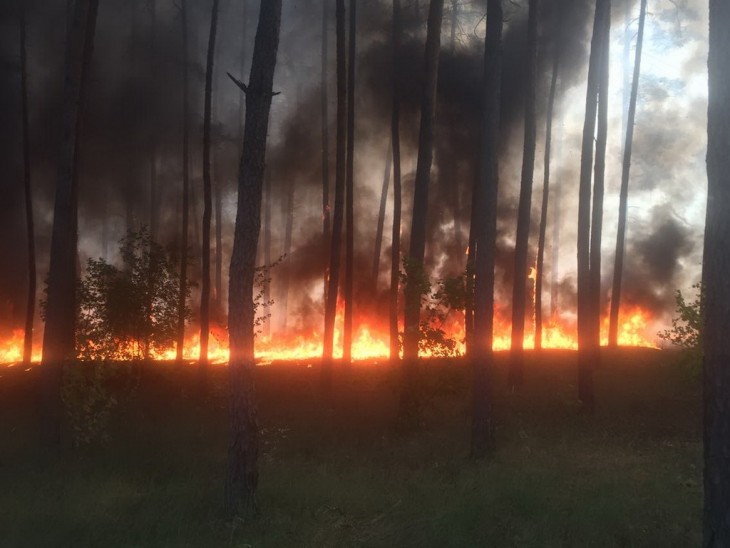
135	103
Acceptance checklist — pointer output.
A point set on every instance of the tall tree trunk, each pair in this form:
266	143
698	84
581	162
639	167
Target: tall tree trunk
546	185
242	102
618	265
267	247
350	190
59	334
555	239
218	198
519	291
154	218
586	353
381	218
182	295
288	229
30	227
598	192
716	298
454	20
485	196
207	202
395	139
243	447
417	247
334	268
325	129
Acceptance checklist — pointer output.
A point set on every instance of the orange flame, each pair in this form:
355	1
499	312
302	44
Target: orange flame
371	340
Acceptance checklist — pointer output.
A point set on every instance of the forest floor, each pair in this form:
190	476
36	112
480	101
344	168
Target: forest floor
629	475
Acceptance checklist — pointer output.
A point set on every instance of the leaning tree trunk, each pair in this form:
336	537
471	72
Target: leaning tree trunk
716	298
381	220
417	247
546	185
618	265
485	231
30	226
207	204
519	291
585	351
395	141
334	268
243	448
183	292
59	334
325	147
349	192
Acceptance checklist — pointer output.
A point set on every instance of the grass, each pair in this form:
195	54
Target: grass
630	475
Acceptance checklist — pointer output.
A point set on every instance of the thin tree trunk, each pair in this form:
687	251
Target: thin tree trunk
555	239
519	292
182	295
381	218
267	247
417	247
218	198
350	190
716	298
585	351
395	140
485	195
325	149
598	192
618	266
334	269
59	334
30	227
546	188
243	448
154	198
288	229
207	203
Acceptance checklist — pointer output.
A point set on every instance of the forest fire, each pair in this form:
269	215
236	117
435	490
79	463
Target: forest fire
371	341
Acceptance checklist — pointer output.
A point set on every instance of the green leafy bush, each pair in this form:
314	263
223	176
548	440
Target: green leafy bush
437	303
687	327
129	312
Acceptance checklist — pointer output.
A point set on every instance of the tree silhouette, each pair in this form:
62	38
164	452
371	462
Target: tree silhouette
243	447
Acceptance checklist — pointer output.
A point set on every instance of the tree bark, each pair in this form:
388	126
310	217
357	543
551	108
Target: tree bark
154	199
716	300
349	193
586	351
546	185
618	265
519	290
325	149
334	268
59	334
207	203
182	295
243	448
417	246
598	192
381	218
30	226
267	246
395	141
288	229
485	231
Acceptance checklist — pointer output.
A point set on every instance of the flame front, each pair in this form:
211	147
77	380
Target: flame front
371	341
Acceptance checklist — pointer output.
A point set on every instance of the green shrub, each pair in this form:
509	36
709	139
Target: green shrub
687	328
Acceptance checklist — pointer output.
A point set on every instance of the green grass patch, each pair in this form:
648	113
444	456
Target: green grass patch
630	475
